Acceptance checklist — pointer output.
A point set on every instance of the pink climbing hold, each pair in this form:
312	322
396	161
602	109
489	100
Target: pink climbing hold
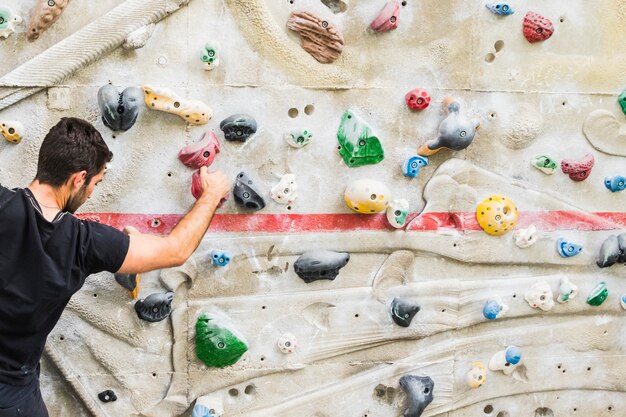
201	153
578	170
537	28
417	99
197	188
388	18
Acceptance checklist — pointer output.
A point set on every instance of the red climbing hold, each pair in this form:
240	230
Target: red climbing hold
578	170
417	99
537	28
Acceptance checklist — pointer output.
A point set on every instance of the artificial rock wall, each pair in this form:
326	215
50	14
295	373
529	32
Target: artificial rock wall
530	98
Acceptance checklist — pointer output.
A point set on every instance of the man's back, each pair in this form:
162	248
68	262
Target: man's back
42	264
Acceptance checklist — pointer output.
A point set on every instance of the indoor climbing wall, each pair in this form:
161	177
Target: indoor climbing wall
428	214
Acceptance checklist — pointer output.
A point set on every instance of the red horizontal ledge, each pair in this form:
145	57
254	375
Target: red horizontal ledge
337	222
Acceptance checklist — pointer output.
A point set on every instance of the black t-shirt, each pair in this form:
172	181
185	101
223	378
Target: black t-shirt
42	264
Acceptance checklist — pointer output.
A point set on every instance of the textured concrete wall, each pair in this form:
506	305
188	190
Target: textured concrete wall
530	99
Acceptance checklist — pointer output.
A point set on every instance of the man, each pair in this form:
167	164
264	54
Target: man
46	253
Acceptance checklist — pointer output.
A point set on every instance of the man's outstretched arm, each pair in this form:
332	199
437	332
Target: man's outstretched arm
149	252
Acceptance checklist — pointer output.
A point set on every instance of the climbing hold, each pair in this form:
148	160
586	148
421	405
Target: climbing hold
540	296
211	55
8	21
525	238
501	9
139	38
155	307
419	390
567	290
367	196
456	132
320	38
119	110
605	132
286	191
496	215
287	343
107	396
357	143
544	163
320	264
616	183
44	14
238	127
397	212
246	193
598	294
622	301
403	311
578	170
298	137
220	258
13	131
417	99
613	251
622	101
218	344
194	112
506	360
208	406
388	18
130	282
567	249
201	153
476	376
413	165
494	308
537	28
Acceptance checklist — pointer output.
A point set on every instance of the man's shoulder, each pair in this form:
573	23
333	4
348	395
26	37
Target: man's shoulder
6	194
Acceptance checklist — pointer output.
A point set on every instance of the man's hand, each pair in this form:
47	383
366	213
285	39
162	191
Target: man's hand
215	185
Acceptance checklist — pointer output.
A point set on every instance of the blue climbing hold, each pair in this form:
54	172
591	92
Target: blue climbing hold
412	166
513	355
220	258
501	9
617	183
567	249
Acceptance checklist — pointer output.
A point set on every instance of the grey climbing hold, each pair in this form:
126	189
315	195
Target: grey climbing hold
155	307
238	127
107	396
128	281
120	110
403	311
246	193
419	390
320	264
613	251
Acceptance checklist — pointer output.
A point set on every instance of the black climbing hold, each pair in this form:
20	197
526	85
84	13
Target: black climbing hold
155	307
246	194
119	110
419	390
238	127
613	251
320	264
403	311
107	396
128	281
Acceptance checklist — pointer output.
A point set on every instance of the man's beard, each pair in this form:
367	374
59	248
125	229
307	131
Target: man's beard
76	200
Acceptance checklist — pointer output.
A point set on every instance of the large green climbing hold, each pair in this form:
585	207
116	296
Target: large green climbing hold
217	344
357	144
622	101
598	295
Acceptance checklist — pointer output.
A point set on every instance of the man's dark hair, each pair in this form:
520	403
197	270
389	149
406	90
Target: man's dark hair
71	146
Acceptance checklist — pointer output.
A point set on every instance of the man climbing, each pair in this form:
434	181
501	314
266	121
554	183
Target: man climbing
46	253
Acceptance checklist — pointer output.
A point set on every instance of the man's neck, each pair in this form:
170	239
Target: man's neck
50	199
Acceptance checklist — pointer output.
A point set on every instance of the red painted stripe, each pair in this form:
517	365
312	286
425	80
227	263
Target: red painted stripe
301	223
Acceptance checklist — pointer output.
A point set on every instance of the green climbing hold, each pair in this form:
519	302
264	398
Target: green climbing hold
598	295
622	101
358	145
217	345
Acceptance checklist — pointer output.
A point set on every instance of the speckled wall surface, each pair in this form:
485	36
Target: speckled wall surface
530	99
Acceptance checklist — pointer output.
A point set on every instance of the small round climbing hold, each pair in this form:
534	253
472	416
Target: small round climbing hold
496	215
211	55
476	376
367	196
494	308
417	99
287	343
537	28
220	257
107	396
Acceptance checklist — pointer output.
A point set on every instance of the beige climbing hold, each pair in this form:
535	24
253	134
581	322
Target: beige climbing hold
192	111
13	131
605	132
320	38
45	13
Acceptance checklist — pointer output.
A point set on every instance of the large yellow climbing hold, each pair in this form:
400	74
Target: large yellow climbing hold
496	215
192	111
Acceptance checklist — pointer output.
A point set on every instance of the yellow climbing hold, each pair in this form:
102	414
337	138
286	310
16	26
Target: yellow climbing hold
496	215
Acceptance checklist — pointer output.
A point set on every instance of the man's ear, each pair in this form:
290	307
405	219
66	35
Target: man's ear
77	180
